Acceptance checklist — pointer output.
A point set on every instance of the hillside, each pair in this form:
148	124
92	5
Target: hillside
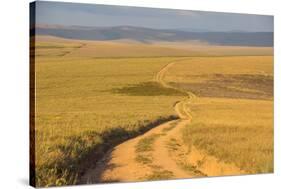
147	34
49	46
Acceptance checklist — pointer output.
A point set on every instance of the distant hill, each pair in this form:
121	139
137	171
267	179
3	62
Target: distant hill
147	34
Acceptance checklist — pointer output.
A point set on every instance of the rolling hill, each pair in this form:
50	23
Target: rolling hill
147	34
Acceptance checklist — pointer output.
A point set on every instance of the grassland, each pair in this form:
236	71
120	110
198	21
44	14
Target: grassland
232	115
93	95
77	49
81	107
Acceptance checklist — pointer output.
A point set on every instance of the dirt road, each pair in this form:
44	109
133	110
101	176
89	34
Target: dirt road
160	153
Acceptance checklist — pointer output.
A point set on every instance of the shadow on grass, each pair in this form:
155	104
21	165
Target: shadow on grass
147	89
83	152
244	86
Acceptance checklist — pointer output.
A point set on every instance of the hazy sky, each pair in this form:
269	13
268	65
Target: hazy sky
105	15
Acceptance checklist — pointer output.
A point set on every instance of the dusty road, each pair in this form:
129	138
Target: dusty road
159	153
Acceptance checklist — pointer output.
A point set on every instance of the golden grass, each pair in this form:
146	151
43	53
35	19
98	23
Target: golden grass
76	107
239	131
129	48
86	101
221	65
237	128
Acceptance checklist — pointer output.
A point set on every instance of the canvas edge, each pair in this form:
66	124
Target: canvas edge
32	21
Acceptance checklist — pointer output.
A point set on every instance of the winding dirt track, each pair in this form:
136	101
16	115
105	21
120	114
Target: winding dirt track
166	156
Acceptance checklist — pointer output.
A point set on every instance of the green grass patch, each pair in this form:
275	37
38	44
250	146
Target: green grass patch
160	174
147	89
146	144
193	169
173	145
143	158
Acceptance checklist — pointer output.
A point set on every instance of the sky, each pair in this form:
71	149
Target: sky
75	14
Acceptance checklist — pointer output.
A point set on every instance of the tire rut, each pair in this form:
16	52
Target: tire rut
159	153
